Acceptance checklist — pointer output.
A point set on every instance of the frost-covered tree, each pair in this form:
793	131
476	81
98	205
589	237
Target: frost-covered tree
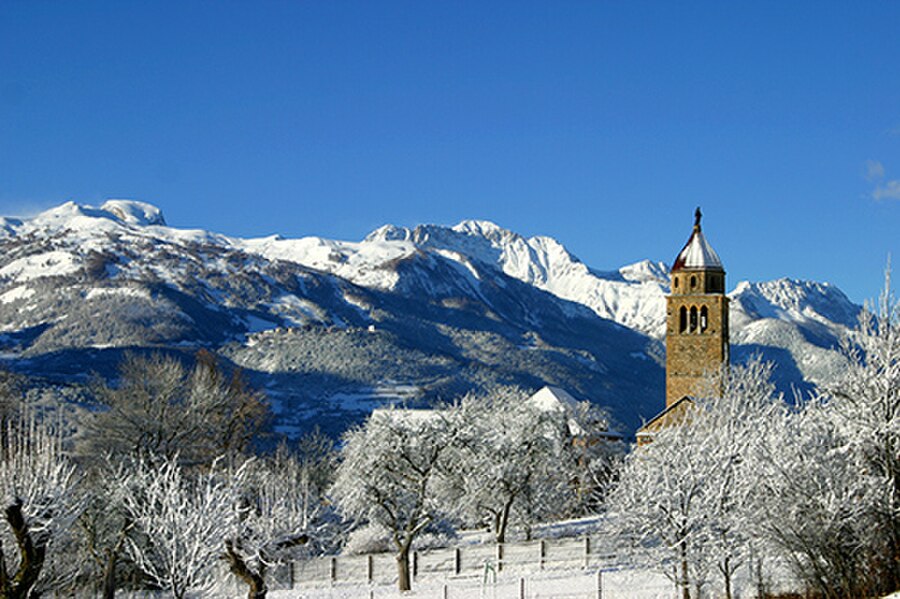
865	407
832	500
391	471
181	520
739	413
507	454
38	485
103	526
282	508
658	503
518	462
686	498
809	503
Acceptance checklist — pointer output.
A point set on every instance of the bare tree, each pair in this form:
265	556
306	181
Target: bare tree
160	408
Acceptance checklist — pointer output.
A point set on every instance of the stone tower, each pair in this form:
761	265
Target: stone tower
696	317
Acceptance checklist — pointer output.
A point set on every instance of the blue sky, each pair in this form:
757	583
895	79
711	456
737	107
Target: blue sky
602	124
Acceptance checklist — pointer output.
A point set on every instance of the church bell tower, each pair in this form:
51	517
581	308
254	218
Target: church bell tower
696	317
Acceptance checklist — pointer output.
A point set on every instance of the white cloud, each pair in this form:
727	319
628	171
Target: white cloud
889	190
874	170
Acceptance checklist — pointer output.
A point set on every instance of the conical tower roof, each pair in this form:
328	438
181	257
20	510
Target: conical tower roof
697	254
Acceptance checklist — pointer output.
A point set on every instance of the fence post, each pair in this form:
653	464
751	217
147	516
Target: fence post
333	569
599	584
457	561
415	565
587	551
542	553
291	574
521	588
445	593
499	556
370	568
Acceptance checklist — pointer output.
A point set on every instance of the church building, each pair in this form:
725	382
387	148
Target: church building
696	328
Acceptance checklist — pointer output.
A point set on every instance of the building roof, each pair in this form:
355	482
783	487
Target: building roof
697	253
670	415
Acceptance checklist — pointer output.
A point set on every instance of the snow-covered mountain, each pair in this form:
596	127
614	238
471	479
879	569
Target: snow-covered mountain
333	328
633	296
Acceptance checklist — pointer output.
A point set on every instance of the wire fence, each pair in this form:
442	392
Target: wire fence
566	568
558	584
462	561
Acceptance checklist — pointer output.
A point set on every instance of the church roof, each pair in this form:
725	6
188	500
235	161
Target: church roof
697	253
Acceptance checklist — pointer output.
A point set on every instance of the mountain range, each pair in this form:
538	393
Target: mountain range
331	329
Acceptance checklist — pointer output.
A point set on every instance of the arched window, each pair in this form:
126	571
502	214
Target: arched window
704	320
693	281
675	282
682	319
693	319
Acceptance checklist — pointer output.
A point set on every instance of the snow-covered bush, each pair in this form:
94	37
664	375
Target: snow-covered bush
368	538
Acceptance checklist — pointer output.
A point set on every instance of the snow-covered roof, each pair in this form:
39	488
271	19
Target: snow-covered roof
552	399
697	253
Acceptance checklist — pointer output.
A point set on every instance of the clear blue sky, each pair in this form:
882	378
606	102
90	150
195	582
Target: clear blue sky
602	124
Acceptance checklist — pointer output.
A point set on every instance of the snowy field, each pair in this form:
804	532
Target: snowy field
571	584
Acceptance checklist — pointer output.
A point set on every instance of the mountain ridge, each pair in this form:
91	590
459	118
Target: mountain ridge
470	306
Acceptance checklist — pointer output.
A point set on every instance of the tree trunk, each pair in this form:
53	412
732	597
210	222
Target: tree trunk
726	572
685	584
109	576
503	522
254	580
31	556
112	557
403	580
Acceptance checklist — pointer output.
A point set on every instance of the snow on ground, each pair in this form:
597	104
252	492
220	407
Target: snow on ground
367	399
561	584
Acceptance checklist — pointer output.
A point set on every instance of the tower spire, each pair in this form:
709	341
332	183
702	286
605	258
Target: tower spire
697	216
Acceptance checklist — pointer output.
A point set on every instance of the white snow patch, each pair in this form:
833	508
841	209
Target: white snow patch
48	264
100	292
297	311
18	293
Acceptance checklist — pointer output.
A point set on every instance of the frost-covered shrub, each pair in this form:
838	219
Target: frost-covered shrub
370	538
